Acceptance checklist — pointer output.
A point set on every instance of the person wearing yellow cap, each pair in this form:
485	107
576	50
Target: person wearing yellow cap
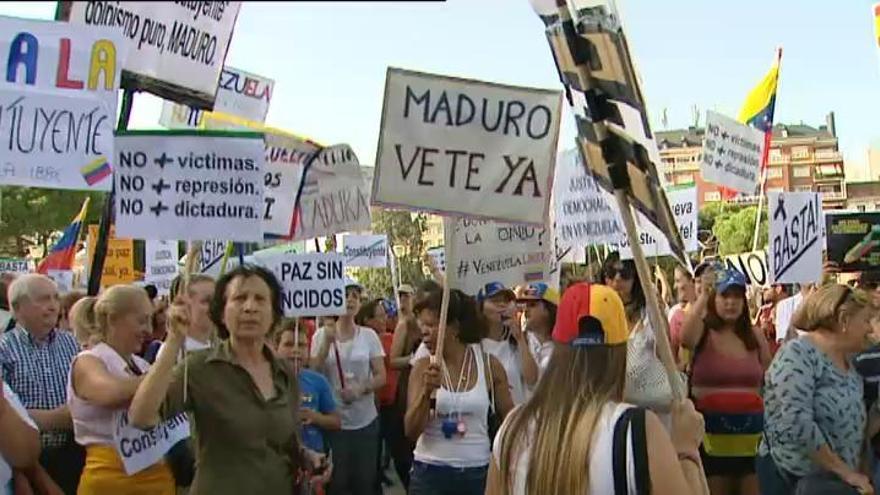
577	417
540	302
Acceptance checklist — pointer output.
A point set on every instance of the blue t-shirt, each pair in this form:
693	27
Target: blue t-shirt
317	396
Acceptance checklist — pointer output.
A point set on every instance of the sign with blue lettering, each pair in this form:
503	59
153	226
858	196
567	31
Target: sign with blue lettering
313	283
459	147
796	234
732	153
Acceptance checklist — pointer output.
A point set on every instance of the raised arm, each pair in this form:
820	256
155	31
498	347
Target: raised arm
399	360
424	379
92	382
19	441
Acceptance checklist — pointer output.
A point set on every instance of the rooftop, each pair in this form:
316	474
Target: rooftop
855	190
693	136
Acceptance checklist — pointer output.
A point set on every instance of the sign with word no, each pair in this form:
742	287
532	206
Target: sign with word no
732	153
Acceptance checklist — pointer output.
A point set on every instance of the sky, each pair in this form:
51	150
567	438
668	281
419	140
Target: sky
329	59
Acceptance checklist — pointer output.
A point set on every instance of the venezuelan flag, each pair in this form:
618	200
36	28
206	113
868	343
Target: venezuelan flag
96	171
877	24
62	253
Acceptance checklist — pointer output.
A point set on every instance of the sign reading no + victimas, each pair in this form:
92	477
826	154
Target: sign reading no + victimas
189	185
732	153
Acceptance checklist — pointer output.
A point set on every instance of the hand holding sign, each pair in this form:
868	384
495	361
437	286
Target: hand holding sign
179	317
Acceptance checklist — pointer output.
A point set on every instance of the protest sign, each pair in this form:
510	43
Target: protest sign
795	248
732	153
313	283
57	104
485	251
212	251
189	185
12	265
439	256
161	264
683	203
119	261
365	251
334	196
63	279
463	147
752	265
239	93
854	240
140	449
176	50
582	212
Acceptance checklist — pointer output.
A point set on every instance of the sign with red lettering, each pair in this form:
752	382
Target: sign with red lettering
461	147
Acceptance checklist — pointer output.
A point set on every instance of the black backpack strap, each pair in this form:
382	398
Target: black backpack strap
640	452
618	452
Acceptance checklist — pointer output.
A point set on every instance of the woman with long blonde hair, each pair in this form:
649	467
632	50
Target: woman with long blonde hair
571	436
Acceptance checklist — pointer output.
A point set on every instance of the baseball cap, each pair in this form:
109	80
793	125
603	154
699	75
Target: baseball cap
590	315
350	282
538	291
728	279
492	289
405	289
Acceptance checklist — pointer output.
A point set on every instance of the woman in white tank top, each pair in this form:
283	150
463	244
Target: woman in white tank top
102	382
451	431
563	439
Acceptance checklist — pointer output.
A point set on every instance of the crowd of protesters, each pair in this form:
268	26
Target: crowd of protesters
536	391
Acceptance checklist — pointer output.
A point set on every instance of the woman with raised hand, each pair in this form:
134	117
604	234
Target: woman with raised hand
352	359
815	417
729	357
243	399
451	429
103	380
576	435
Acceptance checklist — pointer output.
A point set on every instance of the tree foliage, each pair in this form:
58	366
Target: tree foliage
735	230
403	229
32	217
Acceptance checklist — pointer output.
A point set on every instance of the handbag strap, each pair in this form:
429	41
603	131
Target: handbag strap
633	419
491	385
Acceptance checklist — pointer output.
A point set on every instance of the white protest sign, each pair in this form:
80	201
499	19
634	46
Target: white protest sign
211	255
189	185
513	254
582	213
683	203
462	147
140	449
439	256
239	93
334	196
11	265
160	264
732	153
313	283
175	49
58	104
365	251
62	278
796	233
752	265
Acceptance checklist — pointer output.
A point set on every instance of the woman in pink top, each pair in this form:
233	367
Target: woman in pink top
727	368
102	382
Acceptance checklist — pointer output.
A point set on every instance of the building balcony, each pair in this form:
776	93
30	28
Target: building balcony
833	195
801	158
778	159
828	156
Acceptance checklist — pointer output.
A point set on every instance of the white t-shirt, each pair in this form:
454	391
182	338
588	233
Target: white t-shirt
190	344
540	351
354	359
601	464
784	311
508	356
5	468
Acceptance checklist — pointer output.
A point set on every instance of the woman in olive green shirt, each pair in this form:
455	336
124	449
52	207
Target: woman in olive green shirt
243	400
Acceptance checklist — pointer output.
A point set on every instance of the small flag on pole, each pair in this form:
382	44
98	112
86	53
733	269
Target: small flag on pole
96	171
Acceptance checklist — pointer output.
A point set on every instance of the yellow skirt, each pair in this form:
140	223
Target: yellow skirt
104	474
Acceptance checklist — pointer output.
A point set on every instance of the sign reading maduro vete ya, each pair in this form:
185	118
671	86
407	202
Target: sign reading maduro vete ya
189	185
463	147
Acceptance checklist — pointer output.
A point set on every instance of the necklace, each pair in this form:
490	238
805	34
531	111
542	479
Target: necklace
453	423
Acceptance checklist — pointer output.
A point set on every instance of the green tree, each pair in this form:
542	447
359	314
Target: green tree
33	217
403	229
735	231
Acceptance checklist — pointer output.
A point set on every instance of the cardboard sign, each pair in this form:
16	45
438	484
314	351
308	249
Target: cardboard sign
239	93
57	104
334	196
161	264
854	240
795	249
12	265
189	185
439	255
683	203
140	449
365	251
313	283
752	265
512	254
176	50
119	261
732	153
582	211
463	147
